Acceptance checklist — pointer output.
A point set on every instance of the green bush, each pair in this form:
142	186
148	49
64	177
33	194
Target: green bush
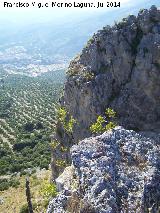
89	42
6	183
14	183
48	190
65	119
61	114
98	127
110	113
104	123
69	126
110	125
60	163
24	208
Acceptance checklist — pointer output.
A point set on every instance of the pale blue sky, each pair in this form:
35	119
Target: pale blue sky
44	14
24	16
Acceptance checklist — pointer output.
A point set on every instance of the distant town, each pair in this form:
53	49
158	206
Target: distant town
17	60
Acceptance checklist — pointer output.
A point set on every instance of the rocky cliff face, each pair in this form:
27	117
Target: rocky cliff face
118	171
119	68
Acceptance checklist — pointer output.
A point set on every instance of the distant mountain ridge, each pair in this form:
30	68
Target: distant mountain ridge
65	37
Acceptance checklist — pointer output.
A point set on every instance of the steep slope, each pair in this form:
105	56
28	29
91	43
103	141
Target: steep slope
118	171
119	68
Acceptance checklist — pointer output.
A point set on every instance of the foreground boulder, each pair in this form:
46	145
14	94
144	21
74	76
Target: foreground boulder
115	172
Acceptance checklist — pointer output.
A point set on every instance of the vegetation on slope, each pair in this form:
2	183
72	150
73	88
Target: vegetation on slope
27	119
14	199
104	123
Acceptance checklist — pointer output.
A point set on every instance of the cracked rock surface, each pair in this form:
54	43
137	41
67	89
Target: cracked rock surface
118	171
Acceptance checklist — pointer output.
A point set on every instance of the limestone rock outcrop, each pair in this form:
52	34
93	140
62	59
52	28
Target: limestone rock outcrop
118	171
119	68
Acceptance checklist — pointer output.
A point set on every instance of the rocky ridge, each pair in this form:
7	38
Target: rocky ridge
117	171
118	68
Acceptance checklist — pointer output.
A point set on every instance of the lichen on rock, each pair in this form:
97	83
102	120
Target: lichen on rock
117	171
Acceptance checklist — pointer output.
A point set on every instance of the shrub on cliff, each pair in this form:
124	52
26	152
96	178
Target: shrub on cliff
104	123
48	190
65	119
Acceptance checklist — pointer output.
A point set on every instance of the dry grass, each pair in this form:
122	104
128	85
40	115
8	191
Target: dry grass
14	198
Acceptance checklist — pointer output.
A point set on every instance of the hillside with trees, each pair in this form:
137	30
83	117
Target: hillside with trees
27	119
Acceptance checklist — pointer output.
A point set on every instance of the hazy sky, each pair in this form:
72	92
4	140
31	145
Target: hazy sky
23	16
